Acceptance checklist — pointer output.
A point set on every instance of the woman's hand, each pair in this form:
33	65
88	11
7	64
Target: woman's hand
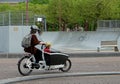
42	43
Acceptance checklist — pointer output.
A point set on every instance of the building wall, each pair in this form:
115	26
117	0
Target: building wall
11	37
16	33
4	39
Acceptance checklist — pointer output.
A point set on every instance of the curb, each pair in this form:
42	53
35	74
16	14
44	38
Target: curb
94	54
26	78
11	55
85	54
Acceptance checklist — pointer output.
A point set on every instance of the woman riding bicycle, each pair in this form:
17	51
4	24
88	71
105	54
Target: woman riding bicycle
34	41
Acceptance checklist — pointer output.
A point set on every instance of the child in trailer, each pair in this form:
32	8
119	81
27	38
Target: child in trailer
47	47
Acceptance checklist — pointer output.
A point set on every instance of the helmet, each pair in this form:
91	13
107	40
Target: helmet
48	44
34	27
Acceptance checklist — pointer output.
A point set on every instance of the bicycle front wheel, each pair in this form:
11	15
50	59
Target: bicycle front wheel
24	66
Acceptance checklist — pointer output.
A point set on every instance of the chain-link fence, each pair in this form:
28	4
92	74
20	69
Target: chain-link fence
21	18
17	18
14	18
108	24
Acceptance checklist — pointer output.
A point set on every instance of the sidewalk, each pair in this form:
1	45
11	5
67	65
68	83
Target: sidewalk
71	54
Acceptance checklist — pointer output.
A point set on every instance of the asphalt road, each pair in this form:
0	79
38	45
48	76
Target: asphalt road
8	69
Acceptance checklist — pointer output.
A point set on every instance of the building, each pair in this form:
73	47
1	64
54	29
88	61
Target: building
11	1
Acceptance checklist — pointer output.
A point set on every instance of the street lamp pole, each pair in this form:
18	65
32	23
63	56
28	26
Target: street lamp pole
27	12
60	16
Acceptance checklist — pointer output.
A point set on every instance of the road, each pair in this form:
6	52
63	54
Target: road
8	69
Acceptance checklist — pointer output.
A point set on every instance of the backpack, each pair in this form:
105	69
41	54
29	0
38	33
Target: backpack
26	42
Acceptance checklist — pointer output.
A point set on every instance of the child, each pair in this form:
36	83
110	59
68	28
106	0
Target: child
47	48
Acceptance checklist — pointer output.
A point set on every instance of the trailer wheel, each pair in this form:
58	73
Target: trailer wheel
67	66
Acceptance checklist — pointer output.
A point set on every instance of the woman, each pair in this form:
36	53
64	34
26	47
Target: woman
34	41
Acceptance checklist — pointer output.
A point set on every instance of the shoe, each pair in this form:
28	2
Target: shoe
36	65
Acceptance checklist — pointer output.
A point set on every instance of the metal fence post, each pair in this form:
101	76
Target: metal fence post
22	19
3	19
45	24
9	18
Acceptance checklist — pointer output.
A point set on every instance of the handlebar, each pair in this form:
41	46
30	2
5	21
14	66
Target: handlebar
42	46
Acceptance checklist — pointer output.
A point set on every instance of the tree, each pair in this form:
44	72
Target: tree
115	9
61	14
4	7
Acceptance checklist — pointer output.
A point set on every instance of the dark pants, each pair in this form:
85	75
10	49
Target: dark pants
38	55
